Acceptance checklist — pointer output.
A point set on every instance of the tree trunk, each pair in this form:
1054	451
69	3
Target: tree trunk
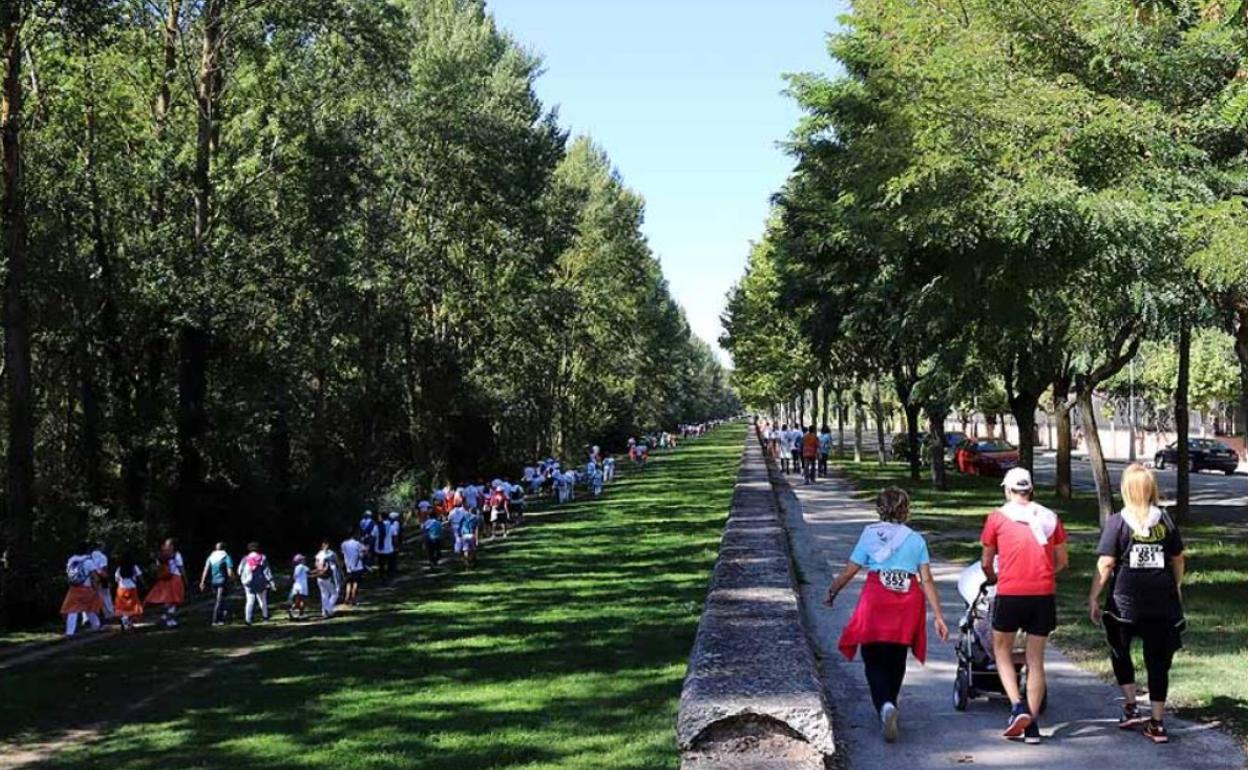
1100	471
1241	350
193	336
1023	407
840	423
16	603
821	398
936	427
1182	423
859	416
1062	407
877	405
912	441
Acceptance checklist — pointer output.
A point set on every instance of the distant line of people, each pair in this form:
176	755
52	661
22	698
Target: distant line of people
456	515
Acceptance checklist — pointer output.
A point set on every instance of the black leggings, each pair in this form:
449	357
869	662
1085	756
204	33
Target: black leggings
886	669
1160	643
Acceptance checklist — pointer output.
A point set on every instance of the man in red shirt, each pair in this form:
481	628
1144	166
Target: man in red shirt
1024	549
810	453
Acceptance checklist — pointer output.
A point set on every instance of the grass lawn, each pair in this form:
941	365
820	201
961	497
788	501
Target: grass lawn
566	648
1210	676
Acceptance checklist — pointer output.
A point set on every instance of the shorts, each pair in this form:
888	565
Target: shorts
469	543
1037	615
354	577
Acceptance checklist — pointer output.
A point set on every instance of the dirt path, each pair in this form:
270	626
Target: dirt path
1079	729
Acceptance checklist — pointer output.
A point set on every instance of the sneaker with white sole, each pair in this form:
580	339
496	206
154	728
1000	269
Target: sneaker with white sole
1020	717
1032	733
888	721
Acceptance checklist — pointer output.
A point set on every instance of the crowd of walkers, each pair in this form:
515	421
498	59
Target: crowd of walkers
1136	591
798	450
456	516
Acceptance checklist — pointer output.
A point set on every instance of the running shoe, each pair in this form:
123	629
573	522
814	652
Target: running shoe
1032	733
1131	717
888	720
1019	719
1155	731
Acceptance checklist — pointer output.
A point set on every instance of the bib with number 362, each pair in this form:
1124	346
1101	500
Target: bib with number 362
895	580
1147	556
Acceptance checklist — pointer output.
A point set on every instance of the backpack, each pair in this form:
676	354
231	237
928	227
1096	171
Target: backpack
467	525
78	572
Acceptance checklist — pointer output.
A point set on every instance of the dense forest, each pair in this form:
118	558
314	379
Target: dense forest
268	259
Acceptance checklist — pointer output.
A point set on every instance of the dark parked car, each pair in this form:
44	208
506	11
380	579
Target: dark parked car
985	457
1202	454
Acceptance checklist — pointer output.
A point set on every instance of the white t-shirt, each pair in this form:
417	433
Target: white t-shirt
325	560
127	583
386	536
300	580
99	561
353	555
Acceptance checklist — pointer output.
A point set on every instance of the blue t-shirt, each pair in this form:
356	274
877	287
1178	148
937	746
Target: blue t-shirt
825	442
468	525
908	556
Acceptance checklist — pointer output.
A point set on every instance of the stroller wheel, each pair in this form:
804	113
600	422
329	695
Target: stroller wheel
961	690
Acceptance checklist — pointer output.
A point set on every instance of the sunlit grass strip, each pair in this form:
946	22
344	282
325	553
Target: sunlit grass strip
565	649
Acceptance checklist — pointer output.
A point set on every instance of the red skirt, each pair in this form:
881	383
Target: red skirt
167	591
81	599
887	616
126	603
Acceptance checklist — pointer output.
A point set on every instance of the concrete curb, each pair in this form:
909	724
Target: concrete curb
753	696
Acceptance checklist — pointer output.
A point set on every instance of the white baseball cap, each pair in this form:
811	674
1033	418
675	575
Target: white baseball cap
1017	480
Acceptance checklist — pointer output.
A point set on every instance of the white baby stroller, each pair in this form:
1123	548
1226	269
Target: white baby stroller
977	666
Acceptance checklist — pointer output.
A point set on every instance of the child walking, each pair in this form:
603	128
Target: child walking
127	604
257	580
432	528
82	598
298	588
170	587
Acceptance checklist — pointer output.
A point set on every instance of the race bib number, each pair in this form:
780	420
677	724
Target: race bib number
895	580
1147	556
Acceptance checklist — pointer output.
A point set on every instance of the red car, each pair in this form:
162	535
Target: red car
985	457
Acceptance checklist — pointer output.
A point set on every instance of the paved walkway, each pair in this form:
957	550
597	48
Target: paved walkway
1079	729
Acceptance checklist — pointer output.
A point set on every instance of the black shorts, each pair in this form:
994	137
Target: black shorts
355	577
1037	615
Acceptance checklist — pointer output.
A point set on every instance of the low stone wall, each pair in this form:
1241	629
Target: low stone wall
752	696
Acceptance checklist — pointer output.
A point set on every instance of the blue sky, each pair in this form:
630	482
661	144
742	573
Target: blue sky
685	96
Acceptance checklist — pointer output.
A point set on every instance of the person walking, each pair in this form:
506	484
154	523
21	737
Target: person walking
1024	548
257	579
825	450
890	619
810	454
1141	561
218	572
786	448
328	578
82	597
169	589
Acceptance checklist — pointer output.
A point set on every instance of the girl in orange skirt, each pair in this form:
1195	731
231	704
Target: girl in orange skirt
127	604
170	588
82	598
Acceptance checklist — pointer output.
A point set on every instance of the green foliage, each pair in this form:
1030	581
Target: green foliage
404	271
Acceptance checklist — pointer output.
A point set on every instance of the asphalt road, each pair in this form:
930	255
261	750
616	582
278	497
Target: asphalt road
1214	495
